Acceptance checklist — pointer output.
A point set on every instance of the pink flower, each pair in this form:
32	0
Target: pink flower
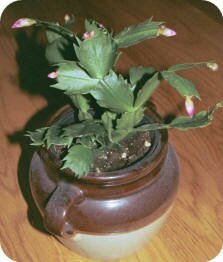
23	22
53	75
189	106
88	35
165	31
212	66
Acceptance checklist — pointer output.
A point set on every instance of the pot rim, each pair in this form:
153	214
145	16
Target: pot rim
152	159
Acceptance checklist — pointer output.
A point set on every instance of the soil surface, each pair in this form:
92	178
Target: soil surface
128	151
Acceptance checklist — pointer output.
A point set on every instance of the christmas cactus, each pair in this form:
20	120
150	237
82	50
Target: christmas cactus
91	82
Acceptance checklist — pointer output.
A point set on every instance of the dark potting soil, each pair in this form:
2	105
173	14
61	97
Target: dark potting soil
126	153
118	156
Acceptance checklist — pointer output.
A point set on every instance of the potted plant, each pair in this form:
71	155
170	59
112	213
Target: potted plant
105	178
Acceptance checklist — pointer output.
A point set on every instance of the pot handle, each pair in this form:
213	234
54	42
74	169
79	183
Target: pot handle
56	210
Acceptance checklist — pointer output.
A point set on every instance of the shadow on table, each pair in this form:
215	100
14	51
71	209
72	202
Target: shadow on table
33	70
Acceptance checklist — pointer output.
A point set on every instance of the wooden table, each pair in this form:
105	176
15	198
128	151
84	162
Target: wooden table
194	230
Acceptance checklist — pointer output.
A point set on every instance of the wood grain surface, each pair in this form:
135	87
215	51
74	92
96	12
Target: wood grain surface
194	230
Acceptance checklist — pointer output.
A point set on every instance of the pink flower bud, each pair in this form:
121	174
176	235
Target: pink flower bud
101	26
189	105
212	66
66	18
53	75
165	31
88	35
23	22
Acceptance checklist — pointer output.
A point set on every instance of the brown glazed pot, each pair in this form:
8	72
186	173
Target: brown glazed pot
108	215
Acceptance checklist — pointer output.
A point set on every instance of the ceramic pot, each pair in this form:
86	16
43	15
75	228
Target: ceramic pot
108	215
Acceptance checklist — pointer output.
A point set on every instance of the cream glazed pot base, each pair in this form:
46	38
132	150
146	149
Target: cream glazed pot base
113	246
